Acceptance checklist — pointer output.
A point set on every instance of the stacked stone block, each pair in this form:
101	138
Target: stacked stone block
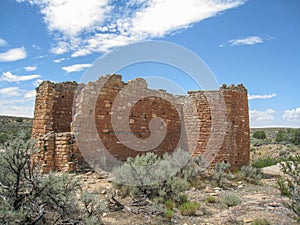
53	107
59	151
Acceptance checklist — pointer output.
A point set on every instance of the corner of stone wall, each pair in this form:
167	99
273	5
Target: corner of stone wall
59	152
237	141
51	127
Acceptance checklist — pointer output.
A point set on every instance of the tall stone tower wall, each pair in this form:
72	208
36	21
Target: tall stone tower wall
53	108
52	126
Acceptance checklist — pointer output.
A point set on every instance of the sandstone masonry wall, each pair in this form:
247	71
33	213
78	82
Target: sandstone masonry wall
53	107
229	106
220	115
59	151
51	127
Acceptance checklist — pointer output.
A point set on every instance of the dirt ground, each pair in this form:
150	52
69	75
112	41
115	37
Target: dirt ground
257	201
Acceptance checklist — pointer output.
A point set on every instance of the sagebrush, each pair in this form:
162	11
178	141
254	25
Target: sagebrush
153	176
289	184
30	197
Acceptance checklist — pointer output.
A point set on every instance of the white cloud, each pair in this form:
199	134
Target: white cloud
37	82
247	41
176	15
250	97
9	92
73	16
30	68
251	40
75	67
16	102
2	42
261	118
8	76
60	60
30	94
292	115
37	47
61	48
13	55
40	56
102	24
82	52
17	107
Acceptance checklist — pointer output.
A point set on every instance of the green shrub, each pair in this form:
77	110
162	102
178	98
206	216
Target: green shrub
259	142
260	221
169	214
19	119
3	138
157	208
183	198
264	162
210	199
169	204
155	181
92	206
282	135
189	208
289	136
231	200
251	174
259	134
289	185
193	168
12	128
30	197
283	153
295	136
172	189
220	176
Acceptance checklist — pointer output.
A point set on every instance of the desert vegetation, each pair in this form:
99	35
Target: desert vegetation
10	126
28	196
190	195
289	184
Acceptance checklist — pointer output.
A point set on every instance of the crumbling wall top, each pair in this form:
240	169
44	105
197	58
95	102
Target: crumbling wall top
239	87
69	85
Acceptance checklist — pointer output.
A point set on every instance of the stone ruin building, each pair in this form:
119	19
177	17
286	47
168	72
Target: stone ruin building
56	122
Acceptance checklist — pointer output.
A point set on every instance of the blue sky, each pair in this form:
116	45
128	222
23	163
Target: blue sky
254	42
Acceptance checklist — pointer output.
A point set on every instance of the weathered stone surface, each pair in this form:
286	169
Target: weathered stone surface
272	171
221	116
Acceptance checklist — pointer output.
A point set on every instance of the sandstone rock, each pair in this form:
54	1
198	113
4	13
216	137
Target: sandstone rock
217	189
208	190
213	194
271	171
247	220
274	204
